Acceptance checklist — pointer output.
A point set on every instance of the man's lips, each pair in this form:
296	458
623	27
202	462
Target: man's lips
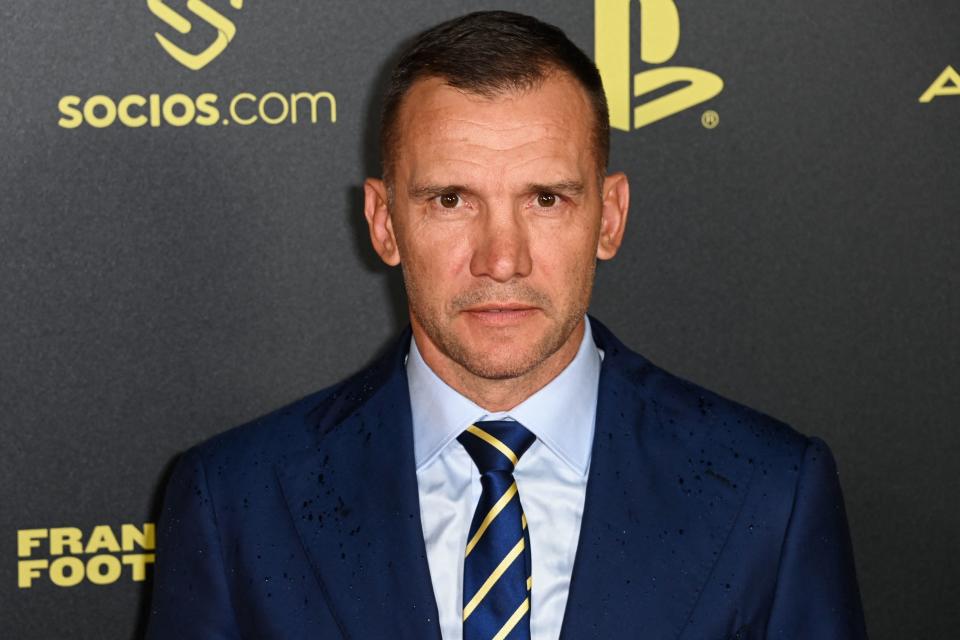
500	313
500	307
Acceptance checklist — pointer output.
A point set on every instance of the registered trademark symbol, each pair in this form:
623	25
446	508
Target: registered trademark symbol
710	119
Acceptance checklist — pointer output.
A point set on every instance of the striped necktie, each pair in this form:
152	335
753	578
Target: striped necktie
496	568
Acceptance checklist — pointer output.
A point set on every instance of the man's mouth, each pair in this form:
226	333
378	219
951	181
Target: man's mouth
500	314
498	308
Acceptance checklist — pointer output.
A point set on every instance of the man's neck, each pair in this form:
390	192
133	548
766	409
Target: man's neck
498	394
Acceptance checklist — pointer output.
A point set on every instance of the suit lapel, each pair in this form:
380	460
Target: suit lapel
662	495
355	505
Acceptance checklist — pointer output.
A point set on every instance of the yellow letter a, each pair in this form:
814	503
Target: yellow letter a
946	84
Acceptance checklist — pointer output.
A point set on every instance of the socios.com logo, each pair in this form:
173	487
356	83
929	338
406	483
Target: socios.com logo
659	38
226	30
153	109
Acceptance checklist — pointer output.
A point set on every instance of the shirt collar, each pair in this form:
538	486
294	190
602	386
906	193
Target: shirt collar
561	414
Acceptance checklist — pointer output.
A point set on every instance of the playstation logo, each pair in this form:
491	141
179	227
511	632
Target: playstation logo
659	39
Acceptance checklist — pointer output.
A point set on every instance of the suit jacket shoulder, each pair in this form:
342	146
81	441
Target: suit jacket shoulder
299	426
717	517
687	410
260	531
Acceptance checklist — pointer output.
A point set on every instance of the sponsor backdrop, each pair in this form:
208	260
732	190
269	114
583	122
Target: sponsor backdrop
183	249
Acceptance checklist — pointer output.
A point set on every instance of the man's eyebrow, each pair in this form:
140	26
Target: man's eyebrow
426	191
564	187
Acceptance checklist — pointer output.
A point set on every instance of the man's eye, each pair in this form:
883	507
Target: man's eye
449	200
546	200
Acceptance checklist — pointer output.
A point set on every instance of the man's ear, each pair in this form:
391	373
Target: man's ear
613	214
377	213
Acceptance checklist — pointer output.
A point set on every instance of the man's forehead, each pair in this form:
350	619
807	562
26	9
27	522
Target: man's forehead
551	119
557	95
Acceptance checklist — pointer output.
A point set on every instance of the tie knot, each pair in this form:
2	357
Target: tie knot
496	445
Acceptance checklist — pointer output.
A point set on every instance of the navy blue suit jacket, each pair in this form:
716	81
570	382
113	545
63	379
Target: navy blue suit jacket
703	520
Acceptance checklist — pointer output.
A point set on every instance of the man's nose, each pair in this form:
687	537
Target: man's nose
502	249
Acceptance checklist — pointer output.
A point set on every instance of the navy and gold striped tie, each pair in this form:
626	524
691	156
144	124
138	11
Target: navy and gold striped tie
496	568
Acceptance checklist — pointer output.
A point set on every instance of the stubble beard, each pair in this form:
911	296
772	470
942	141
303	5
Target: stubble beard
519	360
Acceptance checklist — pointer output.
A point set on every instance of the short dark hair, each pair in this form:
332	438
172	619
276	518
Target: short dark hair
488	53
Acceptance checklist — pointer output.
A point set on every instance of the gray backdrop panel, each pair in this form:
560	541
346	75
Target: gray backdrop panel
160	285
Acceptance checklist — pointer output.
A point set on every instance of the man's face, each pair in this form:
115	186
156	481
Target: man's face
496	214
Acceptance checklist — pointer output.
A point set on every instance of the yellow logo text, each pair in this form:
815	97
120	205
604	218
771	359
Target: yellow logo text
100	557
946	84
226	30
180	110
659	39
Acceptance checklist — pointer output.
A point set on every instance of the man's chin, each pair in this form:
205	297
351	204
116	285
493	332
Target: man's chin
494	348
503	354
499	368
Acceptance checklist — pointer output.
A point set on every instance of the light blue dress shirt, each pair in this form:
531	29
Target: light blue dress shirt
551	480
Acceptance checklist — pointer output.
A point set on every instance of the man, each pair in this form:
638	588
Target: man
509	469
